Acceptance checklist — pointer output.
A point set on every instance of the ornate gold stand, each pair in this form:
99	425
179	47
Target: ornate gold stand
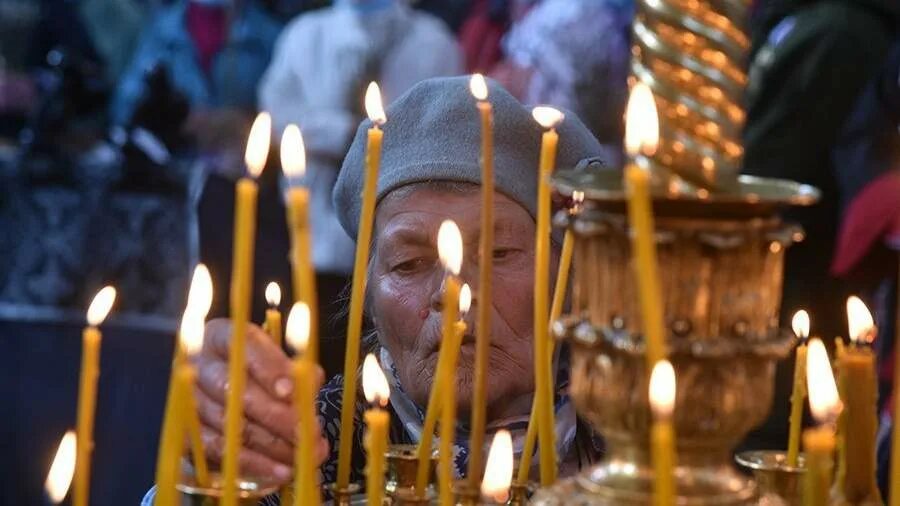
402	466
250	493
349	496
779	484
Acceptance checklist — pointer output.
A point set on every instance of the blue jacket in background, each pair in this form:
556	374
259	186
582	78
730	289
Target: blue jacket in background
233	75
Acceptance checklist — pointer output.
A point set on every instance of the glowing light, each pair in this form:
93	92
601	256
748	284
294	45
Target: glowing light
297	328
662	389
499	468
191	332
375	385
547	117
824	401
478	87
257	151
800	324
201	292
101	305
641	121
374	108
859	320
293	152
450	246
61	471
273	294
465	300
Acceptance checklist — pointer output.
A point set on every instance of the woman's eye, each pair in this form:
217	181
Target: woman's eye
409	265
502	253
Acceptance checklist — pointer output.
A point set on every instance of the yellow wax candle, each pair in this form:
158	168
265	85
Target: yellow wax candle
246	193
858	385
273	315
485	269
819	442
358	289
192	422
895	432
662	433
87	392
293	163
800	324
377	392
448	393
547	117
306	490
559	297
60	475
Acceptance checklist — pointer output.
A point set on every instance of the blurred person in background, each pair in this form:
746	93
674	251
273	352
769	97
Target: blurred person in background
573	54
323	62
214	51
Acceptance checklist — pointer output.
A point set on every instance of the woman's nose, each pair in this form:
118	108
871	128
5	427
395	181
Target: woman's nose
437	296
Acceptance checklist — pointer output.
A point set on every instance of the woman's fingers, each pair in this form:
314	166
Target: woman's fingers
252	463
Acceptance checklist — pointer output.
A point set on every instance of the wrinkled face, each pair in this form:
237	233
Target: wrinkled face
405	291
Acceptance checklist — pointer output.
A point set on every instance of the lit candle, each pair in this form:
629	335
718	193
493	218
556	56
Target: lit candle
273	315
60	475
246	192
800	323
499	469
293	163
358	289
181	410
435	397
818	442
662	434
858	385
548	118
87	391
377	392
642	136
479	90
559	297
450	250
306	490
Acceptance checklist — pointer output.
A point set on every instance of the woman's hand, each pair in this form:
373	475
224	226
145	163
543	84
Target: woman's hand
267	442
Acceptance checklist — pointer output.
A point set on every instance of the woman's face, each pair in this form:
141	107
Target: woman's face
406	293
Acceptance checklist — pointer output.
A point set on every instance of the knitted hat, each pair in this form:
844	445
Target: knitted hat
433	133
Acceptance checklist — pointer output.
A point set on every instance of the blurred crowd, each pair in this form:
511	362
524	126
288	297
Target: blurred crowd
140	83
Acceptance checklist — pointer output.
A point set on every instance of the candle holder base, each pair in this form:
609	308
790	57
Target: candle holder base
349	496
465	494
778	483
408	497
520	493
250	492
402	467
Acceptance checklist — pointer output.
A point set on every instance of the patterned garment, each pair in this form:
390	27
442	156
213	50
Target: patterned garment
577	443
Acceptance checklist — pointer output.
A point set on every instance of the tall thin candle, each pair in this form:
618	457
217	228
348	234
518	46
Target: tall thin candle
273	315
87	391
548	118
293	163
306	490
358	289
246	192
818	442
377	392
662	433
485	269
800	324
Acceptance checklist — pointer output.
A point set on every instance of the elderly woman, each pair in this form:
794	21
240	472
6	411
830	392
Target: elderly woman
429	172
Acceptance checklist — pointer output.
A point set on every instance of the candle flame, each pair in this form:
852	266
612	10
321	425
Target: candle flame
499	468
450	246
374	109
191	332
465	300
297	328
293	152
273	294
641	121
546	116
375	385
662	389
824	401
201	292
859	320
61	471
478	87
800	324
258	144
101	305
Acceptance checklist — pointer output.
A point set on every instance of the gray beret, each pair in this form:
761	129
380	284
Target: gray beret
433	134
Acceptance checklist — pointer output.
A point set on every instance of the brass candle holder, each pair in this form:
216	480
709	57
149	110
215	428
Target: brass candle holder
520	493
778	483
402	466
349	496
250	492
